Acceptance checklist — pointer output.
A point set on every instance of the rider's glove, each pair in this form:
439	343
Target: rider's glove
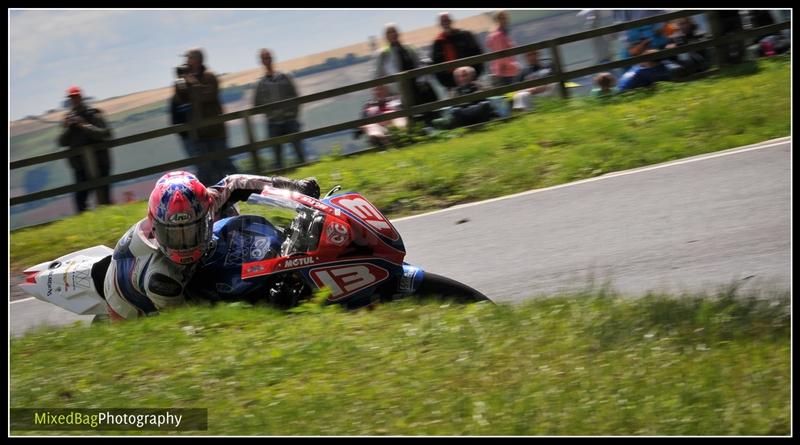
307	186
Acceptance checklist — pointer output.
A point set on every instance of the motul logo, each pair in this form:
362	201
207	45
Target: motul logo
348	279
298	262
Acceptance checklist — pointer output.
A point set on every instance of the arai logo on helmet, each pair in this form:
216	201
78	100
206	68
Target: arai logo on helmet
179	217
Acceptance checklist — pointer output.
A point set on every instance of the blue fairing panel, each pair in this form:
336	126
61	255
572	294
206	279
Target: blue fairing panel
238	239
411	279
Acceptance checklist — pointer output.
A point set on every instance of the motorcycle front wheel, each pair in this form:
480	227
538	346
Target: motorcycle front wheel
434	285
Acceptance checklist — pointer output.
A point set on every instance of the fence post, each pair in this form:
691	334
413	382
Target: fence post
407	94
556	56
716	32
251	139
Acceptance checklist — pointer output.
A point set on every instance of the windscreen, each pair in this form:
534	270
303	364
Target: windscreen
301	224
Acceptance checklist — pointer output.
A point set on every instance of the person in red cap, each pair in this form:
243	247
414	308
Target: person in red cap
82	126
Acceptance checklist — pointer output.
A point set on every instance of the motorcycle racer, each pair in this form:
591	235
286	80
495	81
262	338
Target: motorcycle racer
157	256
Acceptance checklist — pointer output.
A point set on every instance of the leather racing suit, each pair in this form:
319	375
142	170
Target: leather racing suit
141	280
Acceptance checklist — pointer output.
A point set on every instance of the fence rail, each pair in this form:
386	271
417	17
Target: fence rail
559	76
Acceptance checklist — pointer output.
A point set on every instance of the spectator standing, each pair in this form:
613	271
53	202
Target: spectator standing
199	88
730	21
504	70
83	126
276	86
452	44
180	112
395	58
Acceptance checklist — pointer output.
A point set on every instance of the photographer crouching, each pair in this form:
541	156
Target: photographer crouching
82	126
197	97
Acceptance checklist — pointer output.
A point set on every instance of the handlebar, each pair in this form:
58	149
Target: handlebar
332	191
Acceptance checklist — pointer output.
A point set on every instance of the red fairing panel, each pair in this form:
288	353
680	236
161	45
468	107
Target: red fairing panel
341	231
361	208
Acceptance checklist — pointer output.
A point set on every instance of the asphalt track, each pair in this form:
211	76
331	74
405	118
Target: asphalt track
693	225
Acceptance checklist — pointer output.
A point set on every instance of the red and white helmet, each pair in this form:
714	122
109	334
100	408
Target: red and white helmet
179	213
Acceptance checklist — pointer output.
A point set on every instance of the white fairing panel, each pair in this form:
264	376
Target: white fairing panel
67	281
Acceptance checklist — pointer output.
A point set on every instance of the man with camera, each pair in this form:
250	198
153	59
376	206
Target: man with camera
197	98
82	126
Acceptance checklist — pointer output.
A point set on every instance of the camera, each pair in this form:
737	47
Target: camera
72	118
182	70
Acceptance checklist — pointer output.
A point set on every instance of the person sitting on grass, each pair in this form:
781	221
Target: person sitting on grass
605	83
523	100
470	113
644	74
693	61
381	103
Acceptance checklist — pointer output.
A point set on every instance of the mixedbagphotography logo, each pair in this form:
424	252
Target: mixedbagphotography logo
117	419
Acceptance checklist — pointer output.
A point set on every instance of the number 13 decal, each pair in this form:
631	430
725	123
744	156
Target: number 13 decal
348	279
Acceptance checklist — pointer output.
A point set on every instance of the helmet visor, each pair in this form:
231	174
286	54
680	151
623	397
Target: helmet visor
183	236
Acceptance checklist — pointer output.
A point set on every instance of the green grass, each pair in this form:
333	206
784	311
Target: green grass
593	364
560	142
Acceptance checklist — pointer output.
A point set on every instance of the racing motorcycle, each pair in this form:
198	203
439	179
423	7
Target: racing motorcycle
285	252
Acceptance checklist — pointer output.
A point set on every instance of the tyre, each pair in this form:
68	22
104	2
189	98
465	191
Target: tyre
434	285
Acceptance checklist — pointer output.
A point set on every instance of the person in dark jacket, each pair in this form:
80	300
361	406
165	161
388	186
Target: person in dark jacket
452	44
179	114
730	21
82	126
277	86
200	89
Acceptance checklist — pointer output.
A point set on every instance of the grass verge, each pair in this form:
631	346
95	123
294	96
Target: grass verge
562	141
593	364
